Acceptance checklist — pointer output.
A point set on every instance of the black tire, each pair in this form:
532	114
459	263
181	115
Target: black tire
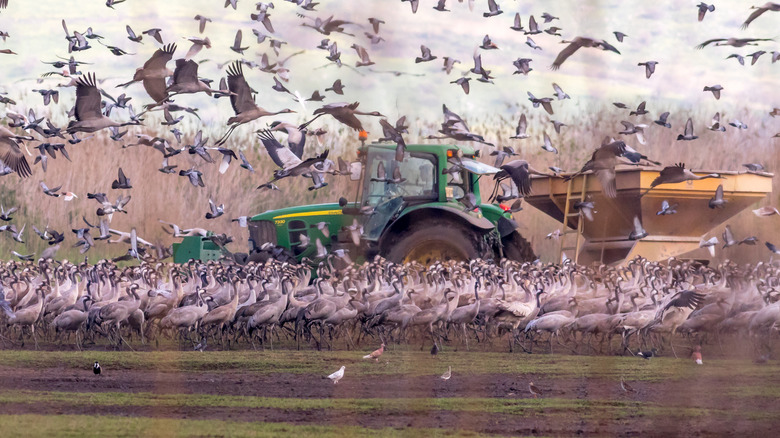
431	241
517	248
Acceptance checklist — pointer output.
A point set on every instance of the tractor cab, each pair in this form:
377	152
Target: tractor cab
428	173
408	210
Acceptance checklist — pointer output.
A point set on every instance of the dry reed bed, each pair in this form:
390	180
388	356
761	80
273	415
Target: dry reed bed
172	198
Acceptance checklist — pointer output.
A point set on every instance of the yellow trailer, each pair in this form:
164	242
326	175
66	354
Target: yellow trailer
605	239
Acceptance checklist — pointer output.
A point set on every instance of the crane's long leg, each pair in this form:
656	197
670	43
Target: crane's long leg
494	193
224	138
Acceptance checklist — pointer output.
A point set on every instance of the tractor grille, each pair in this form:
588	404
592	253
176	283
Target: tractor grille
261	232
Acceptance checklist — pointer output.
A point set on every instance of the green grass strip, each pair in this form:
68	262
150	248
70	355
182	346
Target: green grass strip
394	362
541	406
115	426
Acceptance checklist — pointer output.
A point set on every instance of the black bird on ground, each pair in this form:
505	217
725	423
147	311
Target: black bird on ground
647	354
96	368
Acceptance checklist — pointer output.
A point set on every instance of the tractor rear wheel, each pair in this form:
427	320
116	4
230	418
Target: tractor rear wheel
432	241
517	248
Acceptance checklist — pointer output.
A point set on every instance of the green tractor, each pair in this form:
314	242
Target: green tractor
416	217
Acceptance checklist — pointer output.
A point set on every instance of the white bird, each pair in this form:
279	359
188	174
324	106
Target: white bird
338	375
554	235
737	124
766	211
728	237
709	244
447	375
666	209
322	252
243	221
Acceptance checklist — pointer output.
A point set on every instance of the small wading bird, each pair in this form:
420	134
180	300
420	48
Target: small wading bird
338	375
447	375
534	390
96	368
625	386
376	353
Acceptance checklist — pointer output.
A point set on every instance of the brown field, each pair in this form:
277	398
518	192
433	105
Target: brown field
248	392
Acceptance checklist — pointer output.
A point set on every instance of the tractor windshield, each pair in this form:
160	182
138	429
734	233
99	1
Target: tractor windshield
417	179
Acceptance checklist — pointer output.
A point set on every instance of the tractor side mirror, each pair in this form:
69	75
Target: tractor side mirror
355	168
343	202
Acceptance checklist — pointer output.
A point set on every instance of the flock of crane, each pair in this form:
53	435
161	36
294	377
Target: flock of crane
214	305
478	301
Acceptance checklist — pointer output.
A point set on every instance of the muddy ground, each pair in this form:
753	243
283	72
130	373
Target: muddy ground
710	396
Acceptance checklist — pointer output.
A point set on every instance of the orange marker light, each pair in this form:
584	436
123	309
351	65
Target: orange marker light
505	207
363	135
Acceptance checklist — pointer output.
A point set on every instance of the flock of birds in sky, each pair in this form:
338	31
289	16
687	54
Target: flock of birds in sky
95	109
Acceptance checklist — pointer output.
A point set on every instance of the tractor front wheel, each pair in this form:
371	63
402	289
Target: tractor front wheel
442	241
